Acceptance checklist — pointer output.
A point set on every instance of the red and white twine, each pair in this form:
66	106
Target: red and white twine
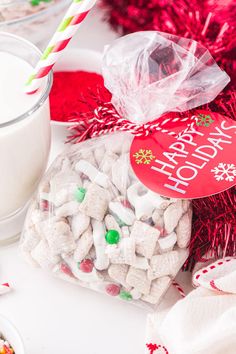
106	120
108	116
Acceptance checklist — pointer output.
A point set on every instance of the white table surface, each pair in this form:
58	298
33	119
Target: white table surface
55	317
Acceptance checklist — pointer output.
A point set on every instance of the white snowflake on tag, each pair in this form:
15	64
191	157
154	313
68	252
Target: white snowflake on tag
224	171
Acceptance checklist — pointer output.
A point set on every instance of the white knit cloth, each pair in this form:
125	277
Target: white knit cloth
204	322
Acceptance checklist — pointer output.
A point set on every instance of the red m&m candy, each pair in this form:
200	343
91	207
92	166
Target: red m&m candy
86	266
66	269
113	289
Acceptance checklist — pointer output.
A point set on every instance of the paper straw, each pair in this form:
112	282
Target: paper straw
179	288
4	288
72	20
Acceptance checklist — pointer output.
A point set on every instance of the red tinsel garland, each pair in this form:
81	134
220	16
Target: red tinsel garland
214	218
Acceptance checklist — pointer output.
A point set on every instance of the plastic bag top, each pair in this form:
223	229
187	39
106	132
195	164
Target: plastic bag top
151	73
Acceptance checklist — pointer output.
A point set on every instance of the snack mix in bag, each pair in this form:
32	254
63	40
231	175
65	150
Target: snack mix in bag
93	222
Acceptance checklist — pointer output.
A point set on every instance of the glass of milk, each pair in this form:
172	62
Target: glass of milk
24	132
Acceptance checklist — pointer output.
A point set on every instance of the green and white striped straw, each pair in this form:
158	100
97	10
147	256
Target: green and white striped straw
72	20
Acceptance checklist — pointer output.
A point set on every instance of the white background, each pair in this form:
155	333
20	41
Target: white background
55	317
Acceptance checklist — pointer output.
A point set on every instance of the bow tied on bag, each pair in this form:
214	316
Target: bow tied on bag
152	73
149	74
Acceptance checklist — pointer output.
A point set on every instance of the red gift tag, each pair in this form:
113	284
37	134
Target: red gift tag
195	157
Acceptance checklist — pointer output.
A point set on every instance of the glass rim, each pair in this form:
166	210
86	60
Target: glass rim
35	15
45	92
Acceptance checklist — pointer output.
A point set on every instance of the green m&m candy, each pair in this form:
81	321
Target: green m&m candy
35	2
125	295
80	194
112	237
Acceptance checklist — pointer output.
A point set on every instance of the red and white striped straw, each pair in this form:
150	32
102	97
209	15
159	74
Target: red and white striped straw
4	288
72	20
179	288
